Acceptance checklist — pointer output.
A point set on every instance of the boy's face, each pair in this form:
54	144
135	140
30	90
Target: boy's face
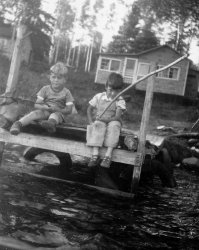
111	92
57	81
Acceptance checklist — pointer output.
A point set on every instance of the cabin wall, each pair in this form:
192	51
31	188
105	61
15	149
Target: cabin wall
164	57
174	84
102	74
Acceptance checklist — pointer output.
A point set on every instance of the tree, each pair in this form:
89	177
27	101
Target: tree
39	23
182	15
62	35
135	35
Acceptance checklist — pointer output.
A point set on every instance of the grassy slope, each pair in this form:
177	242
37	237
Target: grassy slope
165	110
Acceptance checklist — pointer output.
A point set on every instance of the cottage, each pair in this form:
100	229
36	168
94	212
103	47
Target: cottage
134	66
7	43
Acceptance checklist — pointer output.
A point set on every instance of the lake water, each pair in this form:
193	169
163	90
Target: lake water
44	214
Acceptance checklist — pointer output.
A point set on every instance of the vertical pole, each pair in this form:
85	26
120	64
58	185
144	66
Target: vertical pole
142	134
16	60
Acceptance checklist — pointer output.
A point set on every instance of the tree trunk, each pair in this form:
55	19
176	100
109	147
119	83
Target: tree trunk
87	58
78	56
65	52
57	50
90	56
69	54
73	56
16	60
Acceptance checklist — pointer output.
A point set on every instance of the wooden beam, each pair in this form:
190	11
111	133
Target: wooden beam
100	189
63	145
78	132
142	136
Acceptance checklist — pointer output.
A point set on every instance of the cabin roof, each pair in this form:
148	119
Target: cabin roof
140	53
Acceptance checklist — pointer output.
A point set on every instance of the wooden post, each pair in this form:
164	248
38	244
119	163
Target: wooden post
16	60
142	135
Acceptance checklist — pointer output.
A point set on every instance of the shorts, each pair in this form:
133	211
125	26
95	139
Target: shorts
101	134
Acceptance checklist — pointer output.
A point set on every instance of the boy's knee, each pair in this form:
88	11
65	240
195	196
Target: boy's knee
57	116
114	124
114	127
99	125
37	112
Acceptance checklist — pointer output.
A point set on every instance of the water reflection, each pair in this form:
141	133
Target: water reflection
43	214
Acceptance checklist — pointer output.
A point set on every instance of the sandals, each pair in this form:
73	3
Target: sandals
93	162
106	162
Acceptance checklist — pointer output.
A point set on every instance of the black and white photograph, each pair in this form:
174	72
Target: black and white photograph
99	124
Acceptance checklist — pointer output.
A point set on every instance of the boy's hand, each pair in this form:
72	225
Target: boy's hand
106	120
53	109
90	121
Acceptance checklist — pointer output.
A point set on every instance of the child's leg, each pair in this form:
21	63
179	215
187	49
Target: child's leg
109	152
94	158
27	119
95	138
34	116
95	134
53	120
95	151
111	141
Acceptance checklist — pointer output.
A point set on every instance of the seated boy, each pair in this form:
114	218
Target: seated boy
53	103
105	130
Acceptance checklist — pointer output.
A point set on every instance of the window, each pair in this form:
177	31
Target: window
170	73
105	64
110	64
143	69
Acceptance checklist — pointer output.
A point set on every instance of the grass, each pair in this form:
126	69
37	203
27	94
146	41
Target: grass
166	109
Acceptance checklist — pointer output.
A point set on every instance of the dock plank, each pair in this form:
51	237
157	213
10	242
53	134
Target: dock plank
63	145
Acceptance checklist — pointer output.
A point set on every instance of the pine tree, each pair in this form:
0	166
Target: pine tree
39	23
182	15
134	37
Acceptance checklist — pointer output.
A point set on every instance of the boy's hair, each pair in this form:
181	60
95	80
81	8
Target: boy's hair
115	80
59	69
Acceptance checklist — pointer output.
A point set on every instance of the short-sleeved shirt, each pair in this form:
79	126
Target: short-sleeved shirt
100	102
120	102
57	99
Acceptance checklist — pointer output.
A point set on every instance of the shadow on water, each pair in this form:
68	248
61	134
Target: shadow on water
44	214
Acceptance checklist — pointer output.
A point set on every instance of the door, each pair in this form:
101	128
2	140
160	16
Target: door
129	70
